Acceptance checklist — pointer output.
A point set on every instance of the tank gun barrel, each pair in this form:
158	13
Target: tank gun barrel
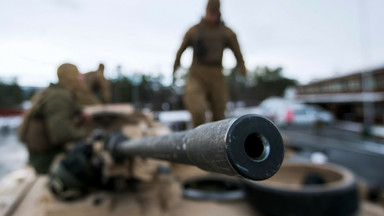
249	146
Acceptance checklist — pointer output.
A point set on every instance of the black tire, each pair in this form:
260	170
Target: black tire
337	195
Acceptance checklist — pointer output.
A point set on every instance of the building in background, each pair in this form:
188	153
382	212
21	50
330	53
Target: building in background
345	96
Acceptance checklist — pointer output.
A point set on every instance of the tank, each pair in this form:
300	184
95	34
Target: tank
211	170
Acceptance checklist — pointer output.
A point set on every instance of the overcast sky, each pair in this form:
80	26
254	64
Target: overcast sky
310	39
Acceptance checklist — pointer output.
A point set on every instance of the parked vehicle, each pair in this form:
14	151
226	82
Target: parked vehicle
309	115
284	112
287	112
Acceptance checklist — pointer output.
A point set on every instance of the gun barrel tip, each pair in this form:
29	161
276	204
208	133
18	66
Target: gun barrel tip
255	147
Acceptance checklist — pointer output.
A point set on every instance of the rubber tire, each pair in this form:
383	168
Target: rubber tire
273	201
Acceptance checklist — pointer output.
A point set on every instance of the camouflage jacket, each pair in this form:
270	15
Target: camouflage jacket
49	122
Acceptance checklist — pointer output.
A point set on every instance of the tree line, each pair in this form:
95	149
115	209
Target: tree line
146	91
11	94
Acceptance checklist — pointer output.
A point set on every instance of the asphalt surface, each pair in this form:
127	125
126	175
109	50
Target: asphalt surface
365	157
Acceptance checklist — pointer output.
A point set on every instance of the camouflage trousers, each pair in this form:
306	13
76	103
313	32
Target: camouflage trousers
41	160
206	87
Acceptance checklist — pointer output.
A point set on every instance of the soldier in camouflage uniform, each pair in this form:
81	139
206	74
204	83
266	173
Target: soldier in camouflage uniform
96	89
98	84
205	82
48	125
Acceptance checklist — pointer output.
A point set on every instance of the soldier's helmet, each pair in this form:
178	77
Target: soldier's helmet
68	75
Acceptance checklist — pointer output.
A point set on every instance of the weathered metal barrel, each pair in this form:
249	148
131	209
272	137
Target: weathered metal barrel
249	146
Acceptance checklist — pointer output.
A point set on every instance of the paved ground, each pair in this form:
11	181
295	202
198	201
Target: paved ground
376	130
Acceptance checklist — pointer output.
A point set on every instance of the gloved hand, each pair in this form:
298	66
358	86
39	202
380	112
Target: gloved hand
175	67
242	69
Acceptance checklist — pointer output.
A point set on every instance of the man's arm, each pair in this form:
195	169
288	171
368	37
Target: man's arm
233	44
58	117
186	43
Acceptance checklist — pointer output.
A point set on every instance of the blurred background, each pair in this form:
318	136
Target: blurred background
315	68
